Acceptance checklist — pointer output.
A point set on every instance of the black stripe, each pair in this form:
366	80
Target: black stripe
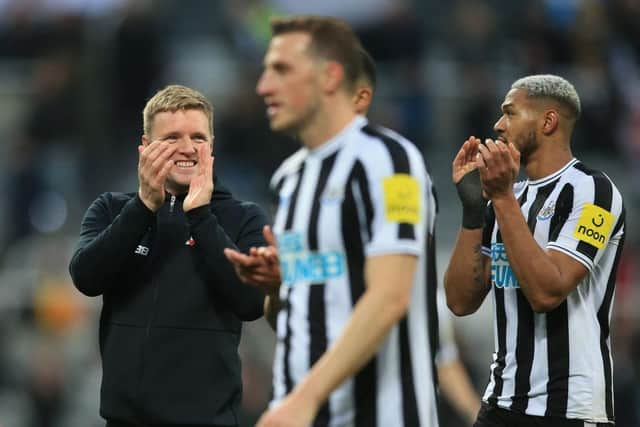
365	381
541	196
490	223
316	304
564	205
501	324
359	177
409	401
603	320
432	309
501	315
558	323
275	192
288	381
558	361
603	197
294	200
524	354
400	161
525	341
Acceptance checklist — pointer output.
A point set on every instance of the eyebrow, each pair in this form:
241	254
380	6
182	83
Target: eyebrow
506	105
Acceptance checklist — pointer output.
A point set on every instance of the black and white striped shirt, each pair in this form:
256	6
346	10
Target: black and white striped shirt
559	363
366	192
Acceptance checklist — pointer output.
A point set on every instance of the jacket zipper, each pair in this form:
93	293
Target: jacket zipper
154	284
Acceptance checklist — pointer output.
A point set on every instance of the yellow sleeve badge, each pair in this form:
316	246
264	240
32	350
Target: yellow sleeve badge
401	198
594	226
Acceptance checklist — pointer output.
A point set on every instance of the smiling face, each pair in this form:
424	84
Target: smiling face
189	130
290	83
518	123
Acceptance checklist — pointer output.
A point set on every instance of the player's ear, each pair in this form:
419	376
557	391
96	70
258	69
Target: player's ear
362	100
550	123
144	140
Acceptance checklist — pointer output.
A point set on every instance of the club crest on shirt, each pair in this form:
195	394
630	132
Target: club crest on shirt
547	211
332	195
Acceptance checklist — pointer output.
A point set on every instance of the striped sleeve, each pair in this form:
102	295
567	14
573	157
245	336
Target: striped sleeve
400	194
590	224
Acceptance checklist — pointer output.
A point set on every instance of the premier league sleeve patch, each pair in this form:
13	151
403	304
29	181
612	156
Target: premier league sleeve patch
401	199
594	226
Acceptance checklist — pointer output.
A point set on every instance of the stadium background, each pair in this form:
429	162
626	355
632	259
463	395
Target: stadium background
74	76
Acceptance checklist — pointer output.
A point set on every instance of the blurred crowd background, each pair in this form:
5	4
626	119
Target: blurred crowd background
75	75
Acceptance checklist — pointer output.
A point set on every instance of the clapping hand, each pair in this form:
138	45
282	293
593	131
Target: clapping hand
154	165
201	186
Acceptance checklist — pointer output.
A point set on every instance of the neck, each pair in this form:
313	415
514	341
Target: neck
550	158
327	123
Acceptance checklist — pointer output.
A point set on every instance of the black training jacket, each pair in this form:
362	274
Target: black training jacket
172	305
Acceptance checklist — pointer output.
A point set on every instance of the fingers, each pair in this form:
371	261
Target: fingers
492	153
268	236
239	259
472	144
465	160
204	160
154	158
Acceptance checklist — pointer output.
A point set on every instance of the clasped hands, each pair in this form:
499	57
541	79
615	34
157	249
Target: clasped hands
497	162
154	166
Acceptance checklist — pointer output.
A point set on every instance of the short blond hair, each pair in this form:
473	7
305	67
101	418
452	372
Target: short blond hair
173	98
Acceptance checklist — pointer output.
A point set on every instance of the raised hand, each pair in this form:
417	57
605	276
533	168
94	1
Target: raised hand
201	186
467	180
261	267
498	164
465	160
154	165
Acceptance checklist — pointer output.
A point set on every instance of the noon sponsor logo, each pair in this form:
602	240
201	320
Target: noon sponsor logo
594	225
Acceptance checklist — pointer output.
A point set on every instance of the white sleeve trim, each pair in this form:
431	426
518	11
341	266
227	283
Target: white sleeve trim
584	260
397	248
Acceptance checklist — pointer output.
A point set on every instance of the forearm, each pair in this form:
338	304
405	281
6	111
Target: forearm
104	247
372	318
538	276
211	240
465	281
458	390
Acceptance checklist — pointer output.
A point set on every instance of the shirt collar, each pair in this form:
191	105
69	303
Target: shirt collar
334	144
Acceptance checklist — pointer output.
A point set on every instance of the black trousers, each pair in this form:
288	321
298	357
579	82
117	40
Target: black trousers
490	416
